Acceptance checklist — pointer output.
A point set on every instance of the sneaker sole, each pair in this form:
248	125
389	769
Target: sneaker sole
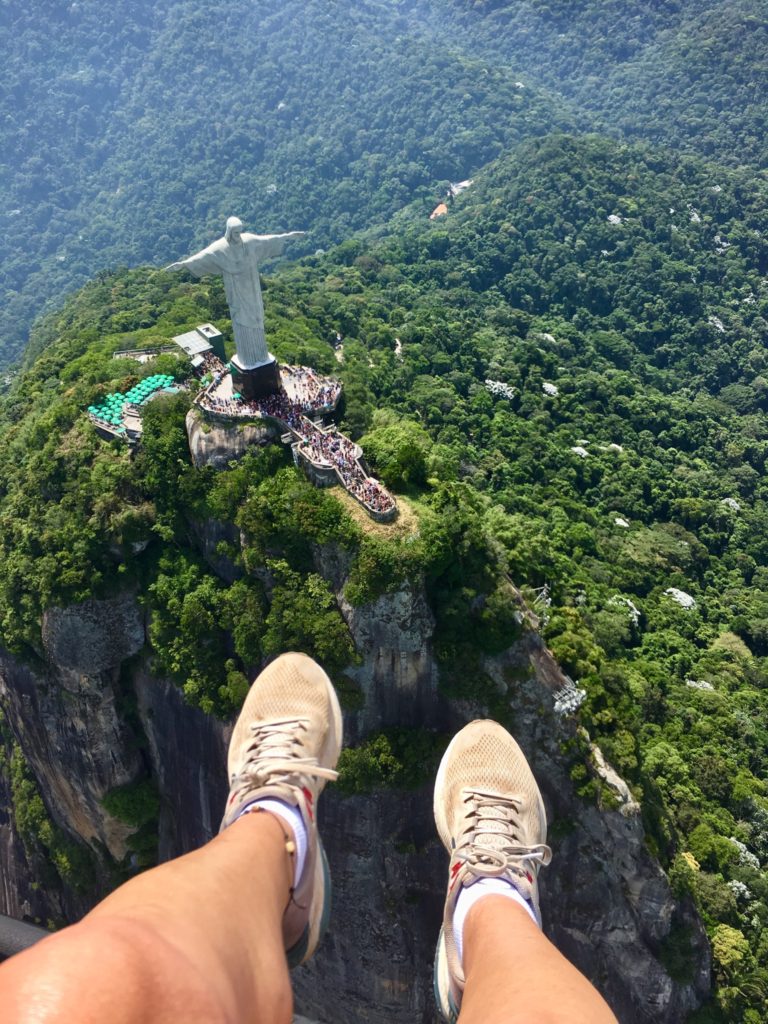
313	935
334	739
441	980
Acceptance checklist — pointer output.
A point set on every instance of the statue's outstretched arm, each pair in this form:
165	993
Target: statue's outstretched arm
282	237
267	247
201	263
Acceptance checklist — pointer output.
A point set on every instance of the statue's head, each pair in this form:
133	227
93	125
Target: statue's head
234	229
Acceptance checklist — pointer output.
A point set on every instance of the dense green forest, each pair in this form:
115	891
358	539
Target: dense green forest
620	295
685	74
132	130
565	380
133	140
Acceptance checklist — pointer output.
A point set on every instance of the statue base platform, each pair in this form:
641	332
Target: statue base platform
257	382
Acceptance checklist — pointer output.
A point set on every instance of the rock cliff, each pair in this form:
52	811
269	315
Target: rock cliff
66	715
605	900
218	444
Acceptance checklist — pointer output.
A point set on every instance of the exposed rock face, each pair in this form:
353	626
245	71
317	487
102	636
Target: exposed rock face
188	754
398	675
94	636
76	743
65	715
214	444
21	896
210	536
605	900
388	873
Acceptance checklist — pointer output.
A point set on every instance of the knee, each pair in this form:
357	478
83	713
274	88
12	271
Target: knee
165	983
106	969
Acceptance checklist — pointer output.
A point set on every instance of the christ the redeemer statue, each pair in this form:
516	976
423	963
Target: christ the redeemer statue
236	257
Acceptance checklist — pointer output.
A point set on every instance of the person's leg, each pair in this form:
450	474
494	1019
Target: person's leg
197	939
515	974
204	938
493	964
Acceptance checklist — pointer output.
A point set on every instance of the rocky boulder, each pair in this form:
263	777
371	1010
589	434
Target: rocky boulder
93	636
217	443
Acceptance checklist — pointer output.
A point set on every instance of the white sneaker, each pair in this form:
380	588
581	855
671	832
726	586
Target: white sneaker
285	745
491	819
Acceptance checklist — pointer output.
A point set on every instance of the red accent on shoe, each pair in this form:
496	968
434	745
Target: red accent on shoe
454	874
308	797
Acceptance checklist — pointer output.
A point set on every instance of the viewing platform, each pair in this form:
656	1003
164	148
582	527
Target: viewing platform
325	454
294	413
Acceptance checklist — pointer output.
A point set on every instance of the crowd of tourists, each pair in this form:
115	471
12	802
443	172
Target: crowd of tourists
311	394
312	391
329	447
277	405
212	365
212	402
281	407
368	491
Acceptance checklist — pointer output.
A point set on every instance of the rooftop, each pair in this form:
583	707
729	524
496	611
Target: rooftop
198	341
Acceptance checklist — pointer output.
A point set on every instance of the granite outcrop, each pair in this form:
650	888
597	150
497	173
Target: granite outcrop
216	443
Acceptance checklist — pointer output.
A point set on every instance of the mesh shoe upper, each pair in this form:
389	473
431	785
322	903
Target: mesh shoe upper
285	745
491	819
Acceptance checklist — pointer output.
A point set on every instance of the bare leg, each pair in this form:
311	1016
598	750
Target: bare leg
515	974
202	939
198	940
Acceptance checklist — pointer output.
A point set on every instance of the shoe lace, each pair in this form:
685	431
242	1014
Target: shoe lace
492	844
275	754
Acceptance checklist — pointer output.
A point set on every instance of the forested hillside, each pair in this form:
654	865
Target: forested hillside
620	299
137	129
564	379
685	74
131	130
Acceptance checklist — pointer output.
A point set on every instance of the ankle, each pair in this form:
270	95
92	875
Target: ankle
491	918
296	839
477	904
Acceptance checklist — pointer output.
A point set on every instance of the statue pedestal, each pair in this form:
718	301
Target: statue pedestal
257	381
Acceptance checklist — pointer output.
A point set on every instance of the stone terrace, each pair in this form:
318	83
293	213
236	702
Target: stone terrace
327	455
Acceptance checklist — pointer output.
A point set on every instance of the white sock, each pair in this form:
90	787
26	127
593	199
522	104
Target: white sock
469	896
292	817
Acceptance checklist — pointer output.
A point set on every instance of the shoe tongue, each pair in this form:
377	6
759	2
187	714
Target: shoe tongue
493	839
500	828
